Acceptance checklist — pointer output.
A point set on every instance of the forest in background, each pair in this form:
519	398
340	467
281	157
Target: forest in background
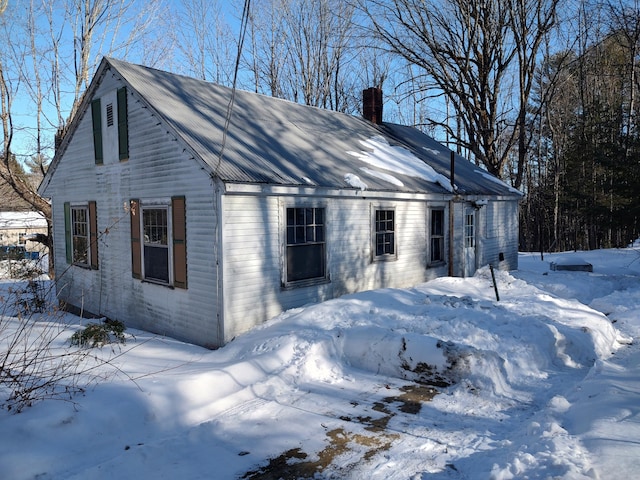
541	93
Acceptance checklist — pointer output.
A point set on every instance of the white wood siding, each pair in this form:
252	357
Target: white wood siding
159	167
501	224
253	244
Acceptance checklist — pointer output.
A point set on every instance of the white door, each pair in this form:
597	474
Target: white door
470	230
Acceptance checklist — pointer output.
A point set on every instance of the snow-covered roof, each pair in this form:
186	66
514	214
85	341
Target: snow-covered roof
277	142
15	220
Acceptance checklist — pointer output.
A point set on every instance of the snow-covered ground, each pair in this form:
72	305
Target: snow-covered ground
440	381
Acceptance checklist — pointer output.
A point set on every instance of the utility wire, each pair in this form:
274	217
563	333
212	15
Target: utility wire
243	30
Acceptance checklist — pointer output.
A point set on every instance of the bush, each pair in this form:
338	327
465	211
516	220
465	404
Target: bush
34	365
99	334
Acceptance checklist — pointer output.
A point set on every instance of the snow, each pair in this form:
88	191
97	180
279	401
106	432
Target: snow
436	381
13	220
354	181
380	154
383	176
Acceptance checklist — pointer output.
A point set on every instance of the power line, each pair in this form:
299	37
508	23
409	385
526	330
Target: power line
243	30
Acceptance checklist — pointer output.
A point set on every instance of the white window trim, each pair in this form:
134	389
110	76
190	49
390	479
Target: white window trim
85	207
385	257
154	205
445	230
470	228
283	233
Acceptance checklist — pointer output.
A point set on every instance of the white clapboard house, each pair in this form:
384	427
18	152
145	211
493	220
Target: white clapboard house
176	217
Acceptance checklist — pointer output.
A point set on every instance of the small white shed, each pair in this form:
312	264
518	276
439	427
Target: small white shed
174	218
16	227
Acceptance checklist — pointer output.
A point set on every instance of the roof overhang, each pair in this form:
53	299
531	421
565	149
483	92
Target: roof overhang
313	191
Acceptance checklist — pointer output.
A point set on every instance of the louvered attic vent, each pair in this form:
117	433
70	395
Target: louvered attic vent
110	115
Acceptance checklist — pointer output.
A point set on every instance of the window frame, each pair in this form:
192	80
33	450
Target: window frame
176	240
91	234
74	212
470	229
439	237
165	206
376	233
286	244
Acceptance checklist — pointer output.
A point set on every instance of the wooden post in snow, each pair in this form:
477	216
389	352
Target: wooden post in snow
495	285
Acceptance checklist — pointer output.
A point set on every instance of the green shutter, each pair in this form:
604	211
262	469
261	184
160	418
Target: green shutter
67	232
136	246
96	116
123	128
93	235
178	220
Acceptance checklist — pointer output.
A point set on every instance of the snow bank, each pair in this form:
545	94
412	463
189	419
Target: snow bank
345	389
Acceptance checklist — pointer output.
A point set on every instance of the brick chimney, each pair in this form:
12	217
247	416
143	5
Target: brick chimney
372	104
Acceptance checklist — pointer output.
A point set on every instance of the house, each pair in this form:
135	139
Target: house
190	210
17	227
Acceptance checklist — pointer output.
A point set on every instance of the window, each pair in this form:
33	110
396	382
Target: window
155	229
80	235
158	242
437	235
22	238
469	231
81	228
305	244
385	239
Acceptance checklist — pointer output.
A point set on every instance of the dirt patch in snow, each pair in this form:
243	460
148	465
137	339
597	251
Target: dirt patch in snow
295	463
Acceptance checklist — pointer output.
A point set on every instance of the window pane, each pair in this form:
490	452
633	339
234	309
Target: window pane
155	226
437	222
305	261
156	263
80	248
300	235
389	241
436	249
299	216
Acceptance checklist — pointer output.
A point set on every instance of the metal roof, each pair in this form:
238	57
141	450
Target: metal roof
277	142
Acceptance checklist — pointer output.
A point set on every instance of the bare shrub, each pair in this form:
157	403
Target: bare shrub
36	360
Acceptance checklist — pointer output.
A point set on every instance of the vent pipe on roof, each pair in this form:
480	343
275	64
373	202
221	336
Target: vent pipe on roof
372	104
453	170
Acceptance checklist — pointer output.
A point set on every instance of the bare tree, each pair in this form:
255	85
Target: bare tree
301	51
47	63
8	89
465	52
531	22
625	22
204	40
266	58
